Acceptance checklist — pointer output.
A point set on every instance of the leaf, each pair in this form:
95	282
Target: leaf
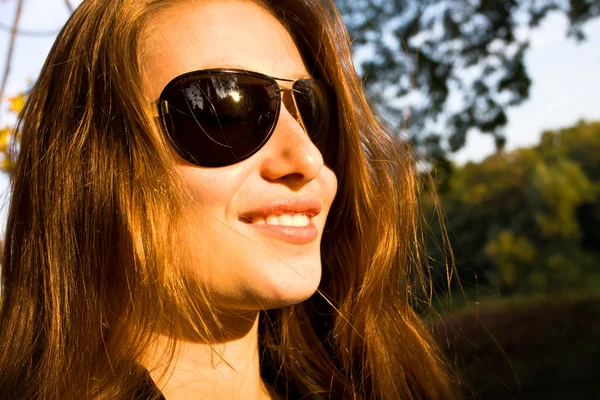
4	139
17	103
7	165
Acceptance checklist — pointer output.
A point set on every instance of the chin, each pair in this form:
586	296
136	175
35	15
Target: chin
285	284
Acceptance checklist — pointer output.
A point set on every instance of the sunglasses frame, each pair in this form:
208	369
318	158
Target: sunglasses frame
160	107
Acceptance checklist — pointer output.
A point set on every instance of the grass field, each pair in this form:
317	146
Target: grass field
526	348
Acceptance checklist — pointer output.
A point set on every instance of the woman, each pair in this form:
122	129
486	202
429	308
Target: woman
190	174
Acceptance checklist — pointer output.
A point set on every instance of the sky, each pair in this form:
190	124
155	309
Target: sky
565	89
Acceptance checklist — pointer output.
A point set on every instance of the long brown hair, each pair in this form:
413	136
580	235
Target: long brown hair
88	267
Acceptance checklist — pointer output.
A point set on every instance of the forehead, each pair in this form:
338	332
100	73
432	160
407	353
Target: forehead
213	34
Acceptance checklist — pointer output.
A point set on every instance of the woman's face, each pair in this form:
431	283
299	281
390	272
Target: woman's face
253	245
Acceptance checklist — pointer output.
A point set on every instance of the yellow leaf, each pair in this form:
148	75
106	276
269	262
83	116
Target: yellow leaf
17	103
4	139
7	164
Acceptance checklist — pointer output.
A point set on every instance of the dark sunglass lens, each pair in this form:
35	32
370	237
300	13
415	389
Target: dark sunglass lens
217	119
317	105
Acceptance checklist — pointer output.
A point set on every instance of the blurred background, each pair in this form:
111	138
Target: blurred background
502	100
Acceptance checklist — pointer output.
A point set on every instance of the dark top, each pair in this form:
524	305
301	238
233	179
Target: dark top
148	390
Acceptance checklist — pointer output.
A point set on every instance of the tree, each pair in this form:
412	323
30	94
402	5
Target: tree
414	53
581	144
527	221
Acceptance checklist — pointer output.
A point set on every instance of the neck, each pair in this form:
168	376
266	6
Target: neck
228	369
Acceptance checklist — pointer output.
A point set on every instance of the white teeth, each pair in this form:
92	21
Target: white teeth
272	220
300	220
285	220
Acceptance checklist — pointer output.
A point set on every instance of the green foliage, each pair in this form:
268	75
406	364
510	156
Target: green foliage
513	256
428	49
527	221
558	188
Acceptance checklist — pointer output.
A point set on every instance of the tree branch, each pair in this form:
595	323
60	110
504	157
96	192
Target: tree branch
11	47
24	32
69	6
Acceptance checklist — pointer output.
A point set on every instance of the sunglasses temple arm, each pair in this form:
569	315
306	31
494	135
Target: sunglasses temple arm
159	108
300	121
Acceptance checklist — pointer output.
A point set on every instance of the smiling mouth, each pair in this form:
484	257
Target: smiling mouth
297	229
298	220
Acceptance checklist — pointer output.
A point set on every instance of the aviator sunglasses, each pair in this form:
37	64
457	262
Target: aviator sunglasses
219	117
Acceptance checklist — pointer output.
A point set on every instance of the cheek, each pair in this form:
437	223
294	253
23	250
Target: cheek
330	186
210	191
206	231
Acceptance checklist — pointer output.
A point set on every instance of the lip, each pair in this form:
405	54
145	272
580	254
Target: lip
308	206
291	234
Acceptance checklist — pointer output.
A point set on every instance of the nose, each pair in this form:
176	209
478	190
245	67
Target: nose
290	156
